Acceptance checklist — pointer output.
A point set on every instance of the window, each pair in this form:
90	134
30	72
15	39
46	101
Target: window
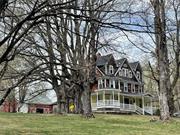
111	84
125	87
133	88
129	87
126	72
130	74
122	86
107	82
122	72
101	83
136	88
116	84
111	69
138	75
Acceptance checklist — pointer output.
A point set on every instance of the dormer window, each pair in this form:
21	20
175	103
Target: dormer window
130	74
111	69
126	72
138	75
123	72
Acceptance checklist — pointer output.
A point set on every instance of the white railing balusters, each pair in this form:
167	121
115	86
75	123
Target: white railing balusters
121	106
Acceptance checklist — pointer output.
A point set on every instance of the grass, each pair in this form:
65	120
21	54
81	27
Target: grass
36	124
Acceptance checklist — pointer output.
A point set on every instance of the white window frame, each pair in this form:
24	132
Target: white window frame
125	86
111	83
138	74
120	72
111	69
130	74
123	72
133	90
126	72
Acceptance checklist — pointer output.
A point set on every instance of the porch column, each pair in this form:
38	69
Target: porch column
99	82
114	84
104	97
113	97
97	98
105	83
143	104
123	102
151	106
118	98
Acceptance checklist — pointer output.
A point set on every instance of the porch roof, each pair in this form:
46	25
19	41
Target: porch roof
128	94
137	94
123	79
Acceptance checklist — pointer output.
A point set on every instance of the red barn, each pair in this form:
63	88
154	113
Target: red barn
40	104
9	106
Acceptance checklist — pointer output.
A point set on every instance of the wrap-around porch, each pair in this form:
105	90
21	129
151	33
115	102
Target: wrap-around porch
114	100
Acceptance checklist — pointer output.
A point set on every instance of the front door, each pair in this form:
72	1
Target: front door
126	100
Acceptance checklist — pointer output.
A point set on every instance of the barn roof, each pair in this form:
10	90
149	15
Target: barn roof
40	99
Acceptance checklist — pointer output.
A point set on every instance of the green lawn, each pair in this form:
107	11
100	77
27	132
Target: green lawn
36	124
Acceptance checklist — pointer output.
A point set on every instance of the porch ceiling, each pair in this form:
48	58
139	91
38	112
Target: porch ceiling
124	94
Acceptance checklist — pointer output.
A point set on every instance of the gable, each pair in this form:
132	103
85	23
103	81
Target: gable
99	73
126	71
104	63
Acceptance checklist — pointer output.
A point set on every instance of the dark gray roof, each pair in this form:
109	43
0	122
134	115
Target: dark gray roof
120	62
101	61
40	99
134	65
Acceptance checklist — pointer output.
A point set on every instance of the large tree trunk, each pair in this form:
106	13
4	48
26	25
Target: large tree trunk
58	104
61	100
164	87
77	102
86	100
162	57
171	101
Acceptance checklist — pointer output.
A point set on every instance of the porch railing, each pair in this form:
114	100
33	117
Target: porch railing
121	106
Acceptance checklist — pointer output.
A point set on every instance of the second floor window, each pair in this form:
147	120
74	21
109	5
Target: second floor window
121	86
111	85
129	87
138	75
130	74
133	88
126	73
111	69
123	72
125	87
101	83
